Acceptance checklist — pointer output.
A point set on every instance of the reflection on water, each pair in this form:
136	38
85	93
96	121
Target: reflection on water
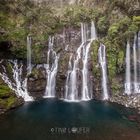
53	119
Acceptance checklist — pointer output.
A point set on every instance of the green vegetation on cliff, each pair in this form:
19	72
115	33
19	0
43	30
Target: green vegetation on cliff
116	22
4	91
8	98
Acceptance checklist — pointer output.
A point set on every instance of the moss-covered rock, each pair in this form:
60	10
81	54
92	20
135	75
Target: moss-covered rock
8	99
5	91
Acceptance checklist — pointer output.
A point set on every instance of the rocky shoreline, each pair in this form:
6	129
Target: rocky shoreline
131	101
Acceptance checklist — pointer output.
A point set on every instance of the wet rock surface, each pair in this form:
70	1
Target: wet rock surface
37	83
132	101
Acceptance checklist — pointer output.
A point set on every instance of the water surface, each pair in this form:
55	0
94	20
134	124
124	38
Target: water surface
57	120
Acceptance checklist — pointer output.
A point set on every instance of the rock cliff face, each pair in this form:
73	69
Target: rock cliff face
66	43
37	83
116	21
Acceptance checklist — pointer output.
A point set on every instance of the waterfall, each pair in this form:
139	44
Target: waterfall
132	81
29	63
16	84
102	61
128	70
51	69
136	90
93	31
68	78
138	62
86	95
72	2
75	74
19	85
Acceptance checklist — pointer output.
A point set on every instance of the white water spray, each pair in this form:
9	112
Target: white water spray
29	61
102	61
136	89
138	62
132	82
75	73
128	70
18	85
68	78
51	70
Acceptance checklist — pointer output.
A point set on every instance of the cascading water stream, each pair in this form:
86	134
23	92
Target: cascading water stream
82	55
85	74
132	81
29	62
51	70
5	77
86	88
128	70
72	2
68	77
18	85
136	90
102	61
138	62
93	31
